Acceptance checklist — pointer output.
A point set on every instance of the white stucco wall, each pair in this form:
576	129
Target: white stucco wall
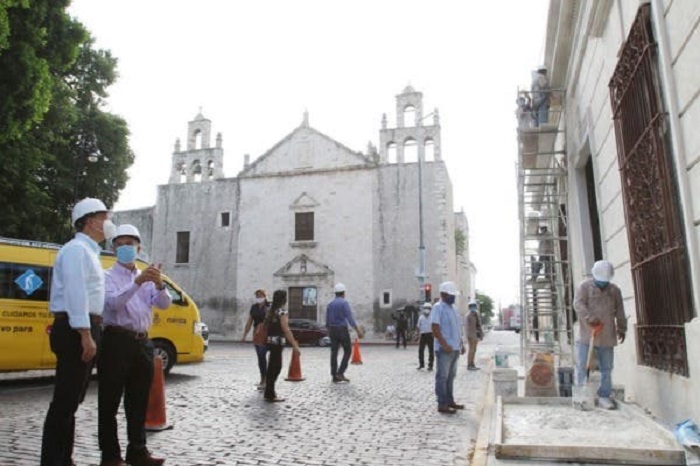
589	122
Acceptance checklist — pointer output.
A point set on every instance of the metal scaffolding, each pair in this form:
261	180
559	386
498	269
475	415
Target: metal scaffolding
545	279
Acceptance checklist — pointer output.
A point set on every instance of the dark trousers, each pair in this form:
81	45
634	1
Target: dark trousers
426	339
261	351
125	367
400	334
340	336
70	384
274	367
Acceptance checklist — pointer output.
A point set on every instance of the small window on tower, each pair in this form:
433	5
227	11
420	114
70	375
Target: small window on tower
182	255
304	226
225	219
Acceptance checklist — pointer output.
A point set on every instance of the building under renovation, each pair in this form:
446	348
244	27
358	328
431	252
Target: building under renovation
306	214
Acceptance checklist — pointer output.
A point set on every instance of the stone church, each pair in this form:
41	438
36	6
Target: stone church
306	214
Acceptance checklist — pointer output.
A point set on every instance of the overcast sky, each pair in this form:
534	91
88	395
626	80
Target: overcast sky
255	66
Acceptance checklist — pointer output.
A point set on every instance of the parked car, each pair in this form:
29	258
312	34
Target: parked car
309	332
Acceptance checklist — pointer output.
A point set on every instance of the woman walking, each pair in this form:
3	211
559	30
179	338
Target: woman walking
277	331
255	317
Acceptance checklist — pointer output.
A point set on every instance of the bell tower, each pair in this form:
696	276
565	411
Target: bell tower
410	102
199	162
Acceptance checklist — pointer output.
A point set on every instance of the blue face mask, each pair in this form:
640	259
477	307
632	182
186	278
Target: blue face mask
449	299
126	254
472	308
600	284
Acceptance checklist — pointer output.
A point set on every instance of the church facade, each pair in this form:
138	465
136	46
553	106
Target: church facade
308	213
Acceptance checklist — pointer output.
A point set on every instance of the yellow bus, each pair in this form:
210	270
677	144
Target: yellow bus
26	267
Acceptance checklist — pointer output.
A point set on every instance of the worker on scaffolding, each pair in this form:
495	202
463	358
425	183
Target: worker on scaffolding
545	250
540	96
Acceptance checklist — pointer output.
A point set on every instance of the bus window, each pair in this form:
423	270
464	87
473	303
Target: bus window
175	295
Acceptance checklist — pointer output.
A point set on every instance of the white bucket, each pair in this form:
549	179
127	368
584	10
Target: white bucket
501	358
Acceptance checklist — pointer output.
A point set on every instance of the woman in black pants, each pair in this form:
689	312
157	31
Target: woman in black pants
277	330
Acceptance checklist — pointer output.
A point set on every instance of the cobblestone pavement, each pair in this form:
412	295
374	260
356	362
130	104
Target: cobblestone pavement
386	416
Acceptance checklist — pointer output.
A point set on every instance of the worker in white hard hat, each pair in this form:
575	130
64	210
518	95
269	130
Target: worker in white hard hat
425	329
474	333
598	305
447	331
540	96
338	318
126	357
76	302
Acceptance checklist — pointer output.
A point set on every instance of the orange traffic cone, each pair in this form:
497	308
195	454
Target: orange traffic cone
294	374
356	356
155	415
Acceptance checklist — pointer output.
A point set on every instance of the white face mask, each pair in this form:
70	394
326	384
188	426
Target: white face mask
109	229
260	300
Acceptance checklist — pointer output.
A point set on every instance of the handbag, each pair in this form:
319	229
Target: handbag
260	334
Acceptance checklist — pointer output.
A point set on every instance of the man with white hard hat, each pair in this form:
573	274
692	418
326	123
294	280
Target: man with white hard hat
598	304
77	300
126	358
424	326
447	332
338	317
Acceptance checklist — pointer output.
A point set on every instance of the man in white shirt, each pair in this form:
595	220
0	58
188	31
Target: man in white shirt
77	300
425	328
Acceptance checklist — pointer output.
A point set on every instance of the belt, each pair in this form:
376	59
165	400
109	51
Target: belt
127	332
275	340
94	319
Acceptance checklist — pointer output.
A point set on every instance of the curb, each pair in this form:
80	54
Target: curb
481	448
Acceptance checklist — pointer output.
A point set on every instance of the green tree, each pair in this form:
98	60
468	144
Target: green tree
46	166
485	306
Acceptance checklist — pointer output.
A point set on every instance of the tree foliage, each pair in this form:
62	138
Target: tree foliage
485	306
460	242
53	123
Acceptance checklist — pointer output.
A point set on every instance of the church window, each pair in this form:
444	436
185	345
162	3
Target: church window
429	150
197	171
410	151
182	171
391	153
304	226
210	170
409	116
183	247
225	219
385	300
198	139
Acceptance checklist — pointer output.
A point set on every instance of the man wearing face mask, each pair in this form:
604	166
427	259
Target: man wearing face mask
599	303
424	326
447	331
126	359
77	300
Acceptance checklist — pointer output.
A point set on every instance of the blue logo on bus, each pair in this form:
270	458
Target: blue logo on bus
29	282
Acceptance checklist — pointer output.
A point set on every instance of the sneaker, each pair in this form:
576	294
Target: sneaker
473	368
606	403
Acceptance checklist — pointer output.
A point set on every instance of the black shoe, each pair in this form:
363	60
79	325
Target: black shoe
143	458
343	378
430	368
337	379
419	367
473	368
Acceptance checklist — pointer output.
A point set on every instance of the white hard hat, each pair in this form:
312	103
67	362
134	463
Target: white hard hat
472	302
339	288
449	288
127	230
603	271
87	206
427	306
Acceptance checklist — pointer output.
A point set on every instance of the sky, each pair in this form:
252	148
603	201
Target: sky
254	67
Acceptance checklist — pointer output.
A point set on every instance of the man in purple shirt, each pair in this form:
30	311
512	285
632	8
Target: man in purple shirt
338	317
126	359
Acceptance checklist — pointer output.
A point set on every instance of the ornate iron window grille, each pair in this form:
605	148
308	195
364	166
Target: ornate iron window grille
656	239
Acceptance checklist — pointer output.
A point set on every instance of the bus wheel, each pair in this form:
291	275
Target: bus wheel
166	351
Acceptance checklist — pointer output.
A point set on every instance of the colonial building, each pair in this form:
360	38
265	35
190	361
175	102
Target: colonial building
623	132
306	214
